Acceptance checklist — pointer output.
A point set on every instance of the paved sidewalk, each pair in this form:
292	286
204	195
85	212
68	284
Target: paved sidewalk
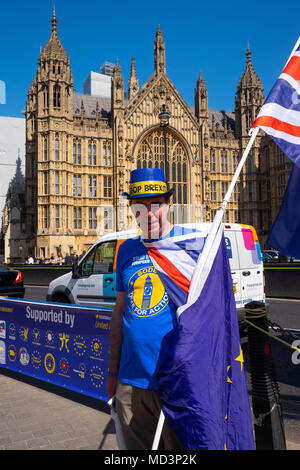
36	415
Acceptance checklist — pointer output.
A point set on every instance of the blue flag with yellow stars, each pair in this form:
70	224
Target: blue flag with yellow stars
285	232
201	378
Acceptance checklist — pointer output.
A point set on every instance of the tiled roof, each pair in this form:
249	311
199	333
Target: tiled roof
90	104
220	117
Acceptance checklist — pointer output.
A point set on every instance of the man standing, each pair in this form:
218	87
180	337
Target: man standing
143	316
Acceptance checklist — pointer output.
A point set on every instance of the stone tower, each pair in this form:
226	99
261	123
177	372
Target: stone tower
49	113
249	98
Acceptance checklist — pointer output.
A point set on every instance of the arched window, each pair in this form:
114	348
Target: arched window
46	97
92	154
56	148
56	96
106	154
151	154
45	148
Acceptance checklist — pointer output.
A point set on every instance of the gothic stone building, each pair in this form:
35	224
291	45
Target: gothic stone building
81	148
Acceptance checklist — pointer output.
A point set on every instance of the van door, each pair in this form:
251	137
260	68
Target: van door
97	283
251	265
232	251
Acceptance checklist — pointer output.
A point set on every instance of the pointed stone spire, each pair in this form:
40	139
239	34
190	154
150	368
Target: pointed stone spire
82	109
54	47
117	86
249	77
249	97
201	103
159	52
133	83
54	20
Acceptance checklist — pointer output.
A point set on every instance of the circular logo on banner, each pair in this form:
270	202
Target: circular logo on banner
97	376
12	330
79	345
24	357
36	360
12	352
147	295
49	362
64	366
49	338
96	347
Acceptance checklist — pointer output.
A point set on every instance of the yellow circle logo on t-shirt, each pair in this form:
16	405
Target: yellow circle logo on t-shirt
147	295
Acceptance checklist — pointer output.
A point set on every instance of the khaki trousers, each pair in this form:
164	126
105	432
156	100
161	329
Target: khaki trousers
138	411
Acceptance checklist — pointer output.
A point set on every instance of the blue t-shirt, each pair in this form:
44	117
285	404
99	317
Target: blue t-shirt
149	315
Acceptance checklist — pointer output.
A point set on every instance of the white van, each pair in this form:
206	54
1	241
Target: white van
93	281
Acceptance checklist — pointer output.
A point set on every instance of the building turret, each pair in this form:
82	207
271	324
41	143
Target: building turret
133	83
54	77
201	104
159	52
249	98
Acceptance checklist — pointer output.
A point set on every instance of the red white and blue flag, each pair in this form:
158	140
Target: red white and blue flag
175	259
279	116
201	374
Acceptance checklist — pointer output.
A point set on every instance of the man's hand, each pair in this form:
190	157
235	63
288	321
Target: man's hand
116	338
111	386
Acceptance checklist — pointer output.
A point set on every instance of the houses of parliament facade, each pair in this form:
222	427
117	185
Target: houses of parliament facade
80	149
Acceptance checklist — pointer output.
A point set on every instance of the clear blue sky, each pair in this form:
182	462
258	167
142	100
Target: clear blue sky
208	36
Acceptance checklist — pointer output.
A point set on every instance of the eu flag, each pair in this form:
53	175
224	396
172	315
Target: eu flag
285	232
201	378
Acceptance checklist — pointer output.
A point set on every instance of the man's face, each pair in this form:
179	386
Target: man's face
151	214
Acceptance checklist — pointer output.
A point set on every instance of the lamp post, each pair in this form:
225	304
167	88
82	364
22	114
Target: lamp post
164	117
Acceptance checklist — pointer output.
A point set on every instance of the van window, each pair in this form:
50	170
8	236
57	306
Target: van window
100	260
232	250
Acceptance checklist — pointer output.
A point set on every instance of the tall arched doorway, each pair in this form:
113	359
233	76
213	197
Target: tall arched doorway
151	154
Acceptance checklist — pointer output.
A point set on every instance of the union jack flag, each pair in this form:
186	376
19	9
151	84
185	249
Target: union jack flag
279	117
175	259
201	373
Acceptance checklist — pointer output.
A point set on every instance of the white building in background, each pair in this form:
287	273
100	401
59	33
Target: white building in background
12	149
12	146
99	84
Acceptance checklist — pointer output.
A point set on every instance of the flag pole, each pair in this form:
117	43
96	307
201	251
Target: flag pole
158	431
194	290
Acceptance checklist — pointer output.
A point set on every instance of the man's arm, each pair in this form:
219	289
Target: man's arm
116	338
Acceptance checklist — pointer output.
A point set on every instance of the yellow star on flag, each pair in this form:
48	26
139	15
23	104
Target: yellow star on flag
240	358
228	379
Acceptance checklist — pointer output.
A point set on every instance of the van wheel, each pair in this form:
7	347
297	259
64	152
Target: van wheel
62	299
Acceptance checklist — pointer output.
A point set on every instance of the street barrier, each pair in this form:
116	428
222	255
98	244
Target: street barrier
282	280
268	420
58	343
40	275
